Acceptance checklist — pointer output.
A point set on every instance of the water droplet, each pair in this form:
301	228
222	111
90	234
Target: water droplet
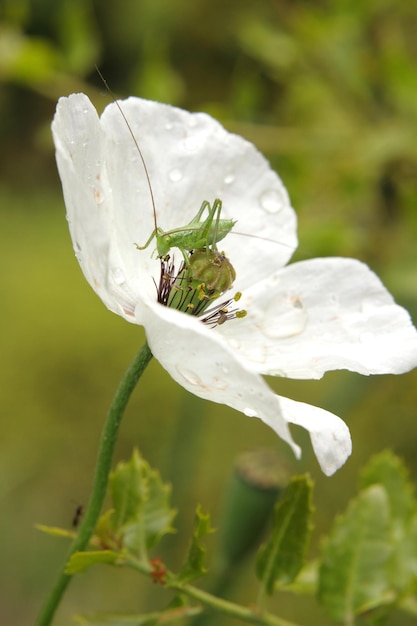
175	175
118	275
250	412
191	144
284	316
273	200
229	179
168	126
85	111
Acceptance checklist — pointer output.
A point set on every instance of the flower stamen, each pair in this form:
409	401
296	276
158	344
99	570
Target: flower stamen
221	313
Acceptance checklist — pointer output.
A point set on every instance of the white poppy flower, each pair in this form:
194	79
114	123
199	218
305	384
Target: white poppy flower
302	320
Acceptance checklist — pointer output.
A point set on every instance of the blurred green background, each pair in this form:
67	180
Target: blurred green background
328	91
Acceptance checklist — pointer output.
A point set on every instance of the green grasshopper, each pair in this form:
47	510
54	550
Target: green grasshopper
198	233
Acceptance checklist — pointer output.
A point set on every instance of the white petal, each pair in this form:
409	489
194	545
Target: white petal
201	362
329	434
321	315
190	158
81	157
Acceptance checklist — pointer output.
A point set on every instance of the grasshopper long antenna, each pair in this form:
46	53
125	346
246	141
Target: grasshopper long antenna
135	142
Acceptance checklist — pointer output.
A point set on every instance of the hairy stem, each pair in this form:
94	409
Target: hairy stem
101	475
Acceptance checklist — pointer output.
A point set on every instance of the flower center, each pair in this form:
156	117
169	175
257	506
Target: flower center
198	284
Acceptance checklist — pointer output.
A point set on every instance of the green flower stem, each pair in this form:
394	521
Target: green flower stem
103	466
253	616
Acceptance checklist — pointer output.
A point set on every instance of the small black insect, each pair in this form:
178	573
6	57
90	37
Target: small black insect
77	515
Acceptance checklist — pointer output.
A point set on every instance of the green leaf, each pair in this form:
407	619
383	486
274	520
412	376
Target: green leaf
388	470
158	515
55	531
282	556
194	566
80	561
127	490
142	515
353	573
307	579
104	531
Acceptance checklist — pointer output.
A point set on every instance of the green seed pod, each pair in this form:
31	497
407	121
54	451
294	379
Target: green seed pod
258	481
213	269
208	275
